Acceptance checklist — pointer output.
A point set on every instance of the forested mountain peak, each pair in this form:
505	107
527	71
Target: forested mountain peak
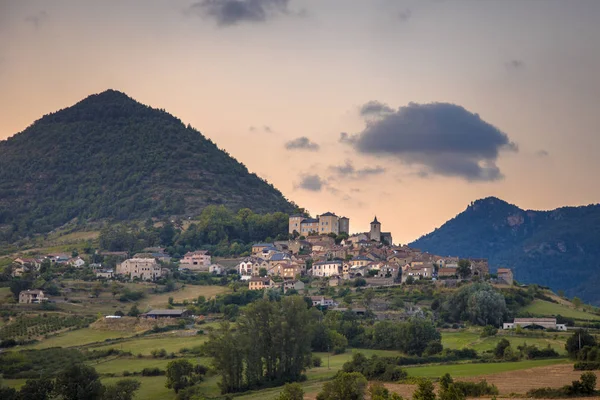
111	157
558	248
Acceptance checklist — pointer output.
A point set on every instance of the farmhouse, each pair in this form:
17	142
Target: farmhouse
196	261
322	301
535	323
31	296
327	268
147	269
256	283
505	275
157	314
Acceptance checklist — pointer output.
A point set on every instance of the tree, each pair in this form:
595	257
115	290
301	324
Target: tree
379	392
97	289
262	272
501	347
576	302
123	389
578	340
180	374
345	386
369	295
291	391
448	390
424	391
79	382
588	383
134	311
17	285
36	389
464	268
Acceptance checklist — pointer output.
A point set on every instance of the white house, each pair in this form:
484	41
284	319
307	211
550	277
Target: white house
327	268
533	323
322	301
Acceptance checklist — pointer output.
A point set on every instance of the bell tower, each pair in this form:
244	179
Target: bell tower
375	233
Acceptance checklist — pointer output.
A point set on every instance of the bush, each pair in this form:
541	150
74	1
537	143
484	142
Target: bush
585	386
587	366
317	361
375	368
472	389
152	372
433	348
488	331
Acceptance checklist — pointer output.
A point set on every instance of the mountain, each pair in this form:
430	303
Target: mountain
110	157
558	248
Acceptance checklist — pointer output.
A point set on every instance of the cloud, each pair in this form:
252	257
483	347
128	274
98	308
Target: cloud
515	64
349	171
405	15
439	138
542	153
232	12
314	183
302	143
346	138
265	128
37	19
375	108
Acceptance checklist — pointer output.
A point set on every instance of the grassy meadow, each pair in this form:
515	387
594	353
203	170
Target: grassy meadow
472	340
546	308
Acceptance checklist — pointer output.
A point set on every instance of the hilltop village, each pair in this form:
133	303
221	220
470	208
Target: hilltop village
318	248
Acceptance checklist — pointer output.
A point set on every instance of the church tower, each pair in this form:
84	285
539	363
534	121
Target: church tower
375	233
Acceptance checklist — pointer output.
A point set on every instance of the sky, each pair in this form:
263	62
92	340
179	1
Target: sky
407	110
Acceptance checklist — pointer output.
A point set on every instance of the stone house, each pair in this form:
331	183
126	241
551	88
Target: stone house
297	285
196	260
505	275
146	269
419	271
104	273
32	296
256	283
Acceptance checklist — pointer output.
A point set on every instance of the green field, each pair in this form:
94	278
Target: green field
78	338
476	369
118	365
152	388
470	339
547	309
172	344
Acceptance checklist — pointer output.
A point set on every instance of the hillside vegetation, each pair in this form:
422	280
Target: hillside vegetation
556	248
110	157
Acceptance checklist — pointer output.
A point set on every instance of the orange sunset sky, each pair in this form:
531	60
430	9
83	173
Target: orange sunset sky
408	110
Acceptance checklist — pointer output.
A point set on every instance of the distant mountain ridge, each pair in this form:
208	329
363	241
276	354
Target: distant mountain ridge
110	157
558	248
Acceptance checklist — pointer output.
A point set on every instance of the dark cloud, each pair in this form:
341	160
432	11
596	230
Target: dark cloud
232	12
375	108
349	171
515	64
302	143
405	15
440	138
346	138
37	19
313	183
542	153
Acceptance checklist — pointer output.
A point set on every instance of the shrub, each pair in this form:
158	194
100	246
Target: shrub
587	366
488	331
472	389
317	361
152	372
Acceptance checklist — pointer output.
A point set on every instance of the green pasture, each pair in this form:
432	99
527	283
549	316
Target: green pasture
79	337
547	309
145	345
152	387
470	339
476	369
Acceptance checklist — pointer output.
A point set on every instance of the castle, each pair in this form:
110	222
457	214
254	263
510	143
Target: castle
331	223
322	225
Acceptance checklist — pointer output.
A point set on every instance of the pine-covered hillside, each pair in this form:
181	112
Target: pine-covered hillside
110	157
558	248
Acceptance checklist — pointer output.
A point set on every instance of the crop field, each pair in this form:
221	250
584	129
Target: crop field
28	327
79	337
469	339
546	308
190	292
475	369
172	343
